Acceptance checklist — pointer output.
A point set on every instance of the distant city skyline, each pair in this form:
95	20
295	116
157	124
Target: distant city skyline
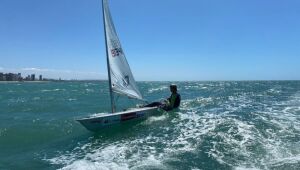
13	76
167	40
18	77
56	74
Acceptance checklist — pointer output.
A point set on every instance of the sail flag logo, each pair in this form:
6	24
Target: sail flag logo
116	49
116	52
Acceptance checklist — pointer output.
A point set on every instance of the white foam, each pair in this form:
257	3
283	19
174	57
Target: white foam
285	160
274	91
196	87
118	155
89	90
151	161
18	100
86	164
155	119
36	98
245	168
191	128
52	90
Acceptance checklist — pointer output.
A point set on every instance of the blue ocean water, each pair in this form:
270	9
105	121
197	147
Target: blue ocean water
220	125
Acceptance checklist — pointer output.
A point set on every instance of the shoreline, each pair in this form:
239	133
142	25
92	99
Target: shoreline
48	81
24	81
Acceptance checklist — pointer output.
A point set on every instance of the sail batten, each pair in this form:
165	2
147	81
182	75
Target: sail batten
121	77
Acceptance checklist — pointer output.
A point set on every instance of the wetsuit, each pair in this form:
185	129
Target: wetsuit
173	102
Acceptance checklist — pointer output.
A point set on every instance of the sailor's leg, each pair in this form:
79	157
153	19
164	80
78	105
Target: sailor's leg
153	104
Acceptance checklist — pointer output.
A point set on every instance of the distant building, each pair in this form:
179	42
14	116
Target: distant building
15	77
32	78
1	77
40	78
4	77
19	77
27	78
11	77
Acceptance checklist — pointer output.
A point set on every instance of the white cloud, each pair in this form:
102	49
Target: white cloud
34	69
28	69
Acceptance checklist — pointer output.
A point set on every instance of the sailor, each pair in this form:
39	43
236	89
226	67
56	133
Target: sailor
170	103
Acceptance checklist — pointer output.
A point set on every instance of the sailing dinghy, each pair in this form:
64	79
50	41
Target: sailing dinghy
121	81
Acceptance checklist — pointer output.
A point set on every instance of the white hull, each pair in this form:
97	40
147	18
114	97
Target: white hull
100	121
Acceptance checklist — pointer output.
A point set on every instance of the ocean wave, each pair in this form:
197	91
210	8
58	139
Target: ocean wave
161	88
291	162
118	155
52	90
155	119
236	129
36	98
250	147
17	100
89	90
3	131
197	86
244	138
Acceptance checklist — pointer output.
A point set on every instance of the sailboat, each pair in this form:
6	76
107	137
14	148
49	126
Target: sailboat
121	81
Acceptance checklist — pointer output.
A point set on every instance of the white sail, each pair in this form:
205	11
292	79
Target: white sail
122	80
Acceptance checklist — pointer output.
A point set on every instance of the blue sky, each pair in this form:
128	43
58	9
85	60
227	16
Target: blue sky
162	39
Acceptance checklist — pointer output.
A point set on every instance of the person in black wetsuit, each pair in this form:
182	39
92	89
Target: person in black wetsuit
170	103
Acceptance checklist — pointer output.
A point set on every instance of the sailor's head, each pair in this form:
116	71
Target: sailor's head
173	88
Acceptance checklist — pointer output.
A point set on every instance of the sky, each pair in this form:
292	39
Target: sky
163	40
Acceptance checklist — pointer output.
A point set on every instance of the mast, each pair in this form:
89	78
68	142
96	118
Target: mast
112	101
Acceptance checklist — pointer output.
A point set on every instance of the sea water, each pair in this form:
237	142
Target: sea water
220	125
